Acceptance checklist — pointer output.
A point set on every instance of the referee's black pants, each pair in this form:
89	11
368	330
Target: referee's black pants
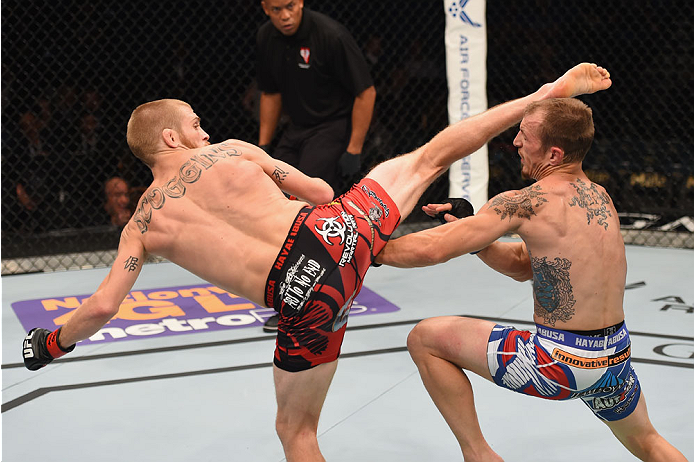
315	150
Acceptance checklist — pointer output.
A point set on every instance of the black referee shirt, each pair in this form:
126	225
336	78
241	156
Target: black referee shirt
319	70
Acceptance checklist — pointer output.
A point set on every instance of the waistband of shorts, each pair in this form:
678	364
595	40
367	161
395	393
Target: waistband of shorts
282	255
604	332
585	342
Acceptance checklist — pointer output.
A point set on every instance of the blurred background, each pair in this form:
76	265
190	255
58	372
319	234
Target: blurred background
73	71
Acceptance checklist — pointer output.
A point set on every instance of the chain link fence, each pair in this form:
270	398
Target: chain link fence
72	71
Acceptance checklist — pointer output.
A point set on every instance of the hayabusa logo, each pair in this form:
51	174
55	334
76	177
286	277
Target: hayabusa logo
332	227
457	10
373	195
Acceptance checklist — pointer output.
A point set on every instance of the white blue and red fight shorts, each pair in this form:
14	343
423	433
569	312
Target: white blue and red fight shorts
561	365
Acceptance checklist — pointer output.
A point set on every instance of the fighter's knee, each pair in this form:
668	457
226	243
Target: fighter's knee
283	428
290	427
291	434
416	339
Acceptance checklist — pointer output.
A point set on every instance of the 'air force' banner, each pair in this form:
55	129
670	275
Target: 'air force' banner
466	56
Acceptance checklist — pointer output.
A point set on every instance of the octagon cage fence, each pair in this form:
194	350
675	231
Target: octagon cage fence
72	72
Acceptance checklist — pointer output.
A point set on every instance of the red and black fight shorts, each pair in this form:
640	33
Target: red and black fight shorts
320	269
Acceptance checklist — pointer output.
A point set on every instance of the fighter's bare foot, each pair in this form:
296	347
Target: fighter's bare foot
582	79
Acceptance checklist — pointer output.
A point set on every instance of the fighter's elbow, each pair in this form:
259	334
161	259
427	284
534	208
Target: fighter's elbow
434	253
101	308
324	193
524	268
522	276
522	272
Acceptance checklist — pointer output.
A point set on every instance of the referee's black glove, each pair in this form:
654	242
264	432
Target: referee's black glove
349	163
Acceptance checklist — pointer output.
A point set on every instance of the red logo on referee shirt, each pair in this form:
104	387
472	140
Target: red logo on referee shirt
305	53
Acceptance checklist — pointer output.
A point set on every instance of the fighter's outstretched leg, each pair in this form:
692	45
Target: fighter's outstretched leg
406	177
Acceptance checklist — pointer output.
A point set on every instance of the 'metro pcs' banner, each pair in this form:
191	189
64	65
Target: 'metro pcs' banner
171	311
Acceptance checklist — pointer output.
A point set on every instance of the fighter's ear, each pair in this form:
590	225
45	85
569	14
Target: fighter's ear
170	137
556	155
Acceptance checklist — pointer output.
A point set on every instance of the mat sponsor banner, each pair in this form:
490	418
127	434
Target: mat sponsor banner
466	69
172	311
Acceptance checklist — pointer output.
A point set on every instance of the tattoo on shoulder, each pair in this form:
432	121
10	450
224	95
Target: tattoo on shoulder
554	298
594	201
189	172
521	205
131	263
279	174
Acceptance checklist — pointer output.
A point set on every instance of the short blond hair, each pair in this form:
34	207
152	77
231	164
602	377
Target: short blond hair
568	124
147	122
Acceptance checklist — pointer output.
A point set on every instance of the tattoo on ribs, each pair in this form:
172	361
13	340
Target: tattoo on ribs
594	201
279	174
520	205
131	263
190	172
554	298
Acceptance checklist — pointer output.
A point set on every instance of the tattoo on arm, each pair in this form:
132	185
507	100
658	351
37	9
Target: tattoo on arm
595	202
279	174
131	263
520	205
554	298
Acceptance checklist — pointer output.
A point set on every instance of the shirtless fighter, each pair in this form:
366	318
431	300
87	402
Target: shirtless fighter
214	206
573	251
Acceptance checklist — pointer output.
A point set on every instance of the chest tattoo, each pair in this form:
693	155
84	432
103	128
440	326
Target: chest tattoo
520	205
554	299
189	172
593	201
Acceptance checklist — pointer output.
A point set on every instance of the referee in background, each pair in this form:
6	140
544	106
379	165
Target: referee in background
310	66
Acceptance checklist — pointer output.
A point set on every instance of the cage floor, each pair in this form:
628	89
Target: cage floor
206	394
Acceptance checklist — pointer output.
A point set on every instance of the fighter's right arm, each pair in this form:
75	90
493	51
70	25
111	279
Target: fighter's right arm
270	111
289	179
41	346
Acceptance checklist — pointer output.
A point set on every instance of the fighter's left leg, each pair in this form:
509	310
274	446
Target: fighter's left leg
300	398
442	347
637	434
